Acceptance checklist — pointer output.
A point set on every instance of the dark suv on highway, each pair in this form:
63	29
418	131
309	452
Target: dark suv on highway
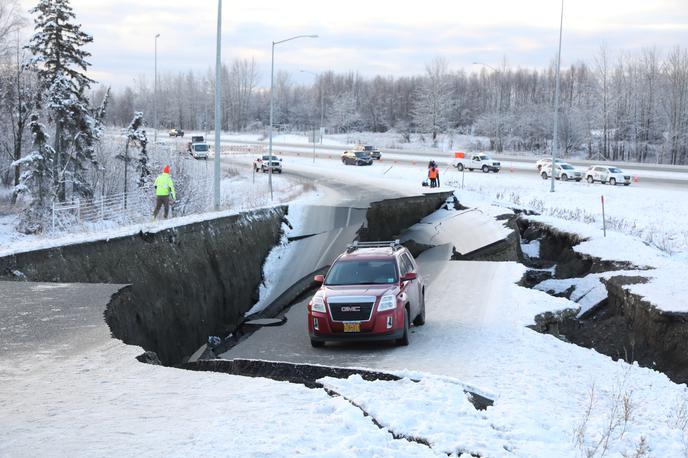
373	291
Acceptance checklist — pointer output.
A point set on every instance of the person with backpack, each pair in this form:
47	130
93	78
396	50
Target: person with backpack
433	175
164	186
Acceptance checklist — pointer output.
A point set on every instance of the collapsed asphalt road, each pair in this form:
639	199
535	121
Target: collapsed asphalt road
290	342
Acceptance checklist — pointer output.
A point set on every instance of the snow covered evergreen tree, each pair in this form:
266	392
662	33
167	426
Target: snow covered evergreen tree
60	62
36	182
137	137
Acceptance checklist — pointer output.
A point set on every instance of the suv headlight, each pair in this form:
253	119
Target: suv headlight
387	303
318	304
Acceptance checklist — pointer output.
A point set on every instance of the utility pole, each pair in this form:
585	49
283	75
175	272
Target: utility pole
218	113
272	97
155	97
555	143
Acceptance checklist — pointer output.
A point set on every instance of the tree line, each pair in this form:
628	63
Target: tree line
625	106
616	106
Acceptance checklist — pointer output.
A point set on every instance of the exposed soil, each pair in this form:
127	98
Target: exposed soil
624	326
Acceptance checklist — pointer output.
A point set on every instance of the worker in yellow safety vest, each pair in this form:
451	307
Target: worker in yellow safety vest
163	187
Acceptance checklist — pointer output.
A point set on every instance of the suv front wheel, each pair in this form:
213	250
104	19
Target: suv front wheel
404	339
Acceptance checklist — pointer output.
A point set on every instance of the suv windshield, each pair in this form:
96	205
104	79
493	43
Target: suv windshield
361	154
201	147
566	167
615	170
368	148
362	272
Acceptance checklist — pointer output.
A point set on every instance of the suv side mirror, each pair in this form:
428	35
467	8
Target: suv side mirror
319	279
409	276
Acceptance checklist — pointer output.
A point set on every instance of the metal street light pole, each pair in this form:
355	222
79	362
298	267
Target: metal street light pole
272	97
555	143
499	105
218	112
155	97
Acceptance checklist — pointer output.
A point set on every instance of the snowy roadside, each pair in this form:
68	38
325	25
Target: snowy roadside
238	194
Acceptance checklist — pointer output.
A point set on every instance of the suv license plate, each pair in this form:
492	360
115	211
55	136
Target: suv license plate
352	327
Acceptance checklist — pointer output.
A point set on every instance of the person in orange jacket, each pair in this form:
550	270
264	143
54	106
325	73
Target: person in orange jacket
434	176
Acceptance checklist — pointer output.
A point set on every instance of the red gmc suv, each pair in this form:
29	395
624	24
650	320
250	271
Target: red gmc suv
372	292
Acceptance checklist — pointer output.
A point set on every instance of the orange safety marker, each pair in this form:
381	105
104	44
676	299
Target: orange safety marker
635	179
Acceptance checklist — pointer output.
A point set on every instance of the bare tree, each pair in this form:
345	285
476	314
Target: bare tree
602	67
433	99
11	21
675	104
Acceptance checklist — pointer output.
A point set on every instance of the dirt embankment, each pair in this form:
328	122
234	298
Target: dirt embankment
187	282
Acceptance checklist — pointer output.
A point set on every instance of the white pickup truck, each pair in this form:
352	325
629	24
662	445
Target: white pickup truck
476	161
199	150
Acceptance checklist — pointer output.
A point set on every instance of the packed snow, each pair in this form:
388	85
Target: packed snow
105	403
587	292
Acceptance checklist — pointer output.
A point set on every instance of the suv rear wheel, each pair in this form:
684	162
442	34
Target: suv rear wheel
590	179
612	181
544	175
404	339
420	319
460	167
317	343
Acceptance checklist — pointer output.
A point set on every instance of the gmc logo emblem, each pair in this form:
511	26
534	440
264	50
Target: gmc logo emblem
352	308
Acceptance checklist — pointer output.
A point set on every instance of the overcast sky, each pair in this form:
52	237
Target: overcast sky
367	36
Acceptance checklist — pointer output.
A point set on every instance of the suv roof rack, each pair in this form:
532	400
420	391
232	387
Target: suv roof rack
393	244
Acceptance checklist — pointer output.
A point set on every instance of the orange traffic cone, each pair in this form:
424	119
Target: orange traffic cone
635	179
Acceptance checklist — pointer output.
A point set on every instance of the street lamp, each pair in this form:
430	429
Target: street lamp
155	96
322	104
499	105
555	143
218	112
272	97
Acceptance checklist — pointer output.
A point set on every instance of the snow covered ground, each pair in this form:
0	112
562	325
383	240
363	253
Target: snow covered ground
104	403
551	398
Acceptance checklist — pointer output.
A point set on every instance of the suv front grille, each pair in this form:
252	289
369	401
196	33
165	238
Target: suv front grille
358	311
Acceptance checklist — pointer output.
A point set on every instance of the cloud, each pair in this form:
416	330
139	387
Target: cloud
367	37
